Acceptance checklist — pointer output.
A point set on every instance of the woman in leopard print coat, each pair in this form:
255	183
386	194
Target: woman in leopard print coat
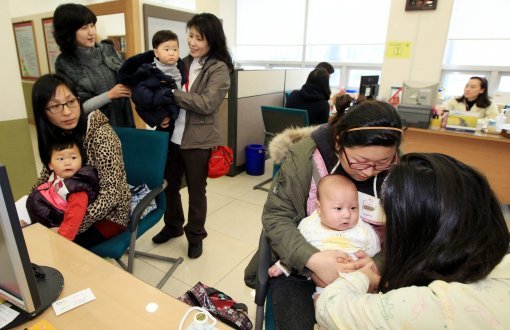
108	215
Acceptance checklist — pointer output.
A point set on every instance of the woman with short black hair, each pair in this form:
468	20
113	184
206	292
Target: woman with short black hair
91	66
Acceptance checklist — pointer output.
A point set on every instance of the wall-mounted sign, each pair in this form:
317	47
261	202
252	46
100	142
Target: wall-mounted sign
398	49
421	4
27	50
52	49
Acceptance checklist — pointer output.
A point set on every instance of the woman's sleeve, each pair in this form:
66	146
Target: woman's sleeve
110	177
208	101
95	103
280	219
345	304
491	112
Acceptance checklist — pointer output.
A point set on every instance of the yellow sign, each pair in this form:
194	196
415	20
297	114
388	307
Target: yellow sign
398	49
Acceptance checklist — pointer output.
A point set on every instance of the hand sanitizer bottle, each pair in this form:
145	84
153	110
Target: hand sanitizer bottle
500	121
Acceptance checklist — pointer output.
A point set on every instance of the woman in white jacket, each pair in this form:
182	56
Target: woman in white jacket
475	99
445	245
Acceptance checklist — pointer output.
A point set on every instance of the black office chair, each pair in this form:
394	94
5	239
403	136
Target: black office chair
144	153
262	284
277	119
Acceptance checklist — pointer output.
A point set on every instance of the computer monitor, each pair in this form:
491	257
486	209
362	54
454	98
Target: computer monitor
30	292
419	92
369	86
415	115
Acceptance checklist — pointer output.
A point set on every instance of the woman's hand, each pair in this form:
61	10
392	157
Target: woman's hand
371	271
327	264
118	91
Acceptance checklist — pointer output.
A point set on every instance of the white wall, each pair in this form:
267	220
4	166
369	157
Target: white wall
427	31
11	98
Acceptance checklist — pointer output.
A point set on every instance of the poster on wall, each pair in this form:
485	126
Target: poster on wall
26	49
52	49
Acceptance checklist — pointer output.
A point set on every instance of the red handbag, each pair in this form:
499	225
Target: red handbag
220	161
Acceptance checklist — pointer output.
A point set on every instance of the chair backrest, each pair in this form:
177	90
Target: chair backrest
277	119
144	153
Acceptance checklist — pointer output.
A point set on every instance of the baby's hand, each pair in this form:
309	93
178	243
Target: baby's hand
23	223
274	271
165	122
55	229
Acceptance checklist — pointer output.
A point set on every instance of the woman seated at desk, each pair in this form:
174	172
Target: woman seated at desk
475	99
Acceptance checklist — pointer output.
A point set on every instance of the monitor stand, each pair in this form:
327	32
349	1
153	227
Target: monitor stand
49	289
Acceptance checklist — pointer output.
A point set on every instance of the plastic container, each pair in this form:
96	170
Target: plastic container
255	159
500	121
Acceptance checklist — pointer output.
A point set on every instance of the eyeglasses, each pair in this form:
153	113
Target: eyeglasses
376	166
58	108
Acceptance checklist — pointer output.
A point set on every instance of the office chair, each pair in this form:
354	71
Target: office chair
262	285
277	119
144	153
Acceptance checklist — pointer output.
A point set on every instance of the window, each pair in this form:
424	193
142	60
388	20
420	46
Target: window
354	78
504	84
357	35
270	35
479	34
335	31
454	82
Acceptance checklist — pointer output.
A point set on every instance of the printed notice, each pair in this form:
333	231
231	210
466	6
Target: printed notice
27	51
398	49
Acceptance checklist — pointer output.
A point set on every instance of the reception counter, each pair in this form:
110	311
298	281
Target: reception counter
488	153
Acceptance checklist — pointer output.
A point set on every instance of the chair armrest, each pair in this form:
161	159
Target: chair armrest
262	284
142	205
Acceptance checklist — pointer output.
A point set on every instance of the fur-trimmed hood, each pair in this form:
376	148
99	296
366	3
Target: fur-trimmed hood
280	144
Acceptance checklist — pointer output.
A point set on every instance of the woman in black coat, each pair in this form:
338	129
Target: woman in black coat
313	97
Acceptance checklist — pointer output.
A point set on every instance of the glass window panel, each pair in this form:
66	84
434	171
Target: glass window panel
334	79
266	53
504	84
354	78
360	22
283	24
478	52
494	14
345	53
454	83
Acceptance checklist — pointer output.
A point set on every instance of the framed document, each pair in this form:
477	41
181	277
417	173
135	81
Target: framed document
421	4
52	49
27	50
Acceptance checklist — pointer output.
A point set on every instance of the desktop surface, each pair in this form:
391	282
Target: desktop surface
121	301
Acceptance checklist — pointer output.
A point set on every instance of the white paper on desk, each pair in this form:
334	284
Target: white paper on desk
72	301
7	314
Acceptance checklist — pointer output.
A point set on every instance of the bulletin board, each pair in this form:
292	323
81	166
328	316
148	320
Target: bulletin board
27	50
52	49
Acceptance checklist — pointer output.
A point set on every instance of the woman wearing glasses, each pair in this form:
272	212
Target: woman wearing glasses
59	115
362	146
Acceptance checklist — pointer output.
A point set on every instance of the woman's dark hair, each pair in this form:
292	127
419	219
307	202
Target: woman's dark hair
65	142
326	66
318	80
368	114
342	103
482	101
67	19
210	28
43	91
443	223
163	36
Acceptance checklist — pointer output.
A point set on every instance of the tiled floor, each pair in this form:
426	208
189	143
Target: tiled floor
233	224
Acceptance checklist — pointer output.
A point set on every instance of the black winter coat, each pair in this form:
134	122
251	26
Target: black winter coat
150	88
312	98
40	210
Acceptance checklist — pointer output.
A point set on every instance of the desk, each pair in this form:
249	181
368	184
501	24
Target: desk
488	153
121	298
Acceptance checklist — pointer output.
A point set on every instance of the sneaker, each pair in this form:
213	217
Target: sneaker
195	250
163	237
